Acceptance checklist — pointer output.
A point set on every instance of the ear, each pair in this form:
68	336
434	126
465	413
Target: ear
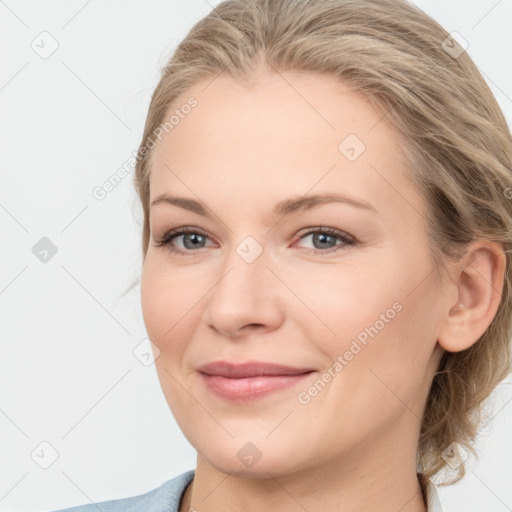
479	282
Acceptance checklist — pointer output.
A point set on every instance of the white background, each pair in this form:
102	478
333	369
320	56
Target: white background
68	375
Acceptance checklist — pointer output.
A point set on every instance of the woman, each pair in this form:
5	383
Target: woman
327	231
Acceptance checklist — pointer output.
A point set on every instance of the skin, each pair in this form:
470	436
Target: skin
241	151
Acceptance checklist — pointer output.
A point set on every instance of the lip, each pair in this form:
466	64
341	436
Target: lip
251	380
249	369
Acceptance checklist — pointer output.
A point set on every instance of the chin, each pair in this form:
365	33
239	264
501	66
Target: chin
251	460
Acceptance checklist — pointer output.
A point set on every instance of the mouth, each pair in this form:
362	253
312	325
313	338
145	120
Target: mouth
249	381
250	369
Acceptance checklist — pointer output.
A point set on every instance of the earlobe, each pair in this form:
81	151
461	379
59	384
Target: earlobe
479	285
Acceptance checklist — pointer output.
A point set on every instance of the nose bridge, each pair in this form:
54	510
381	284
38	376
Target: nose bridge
243	294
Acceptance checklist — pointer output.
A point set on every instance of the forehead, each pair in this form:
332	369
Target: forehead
284	134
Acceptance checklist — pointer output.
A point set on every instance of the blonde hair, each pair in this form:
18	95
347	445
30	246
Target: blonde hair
455	137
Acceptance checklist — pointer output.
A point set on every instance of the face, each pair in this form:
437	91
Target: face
343	287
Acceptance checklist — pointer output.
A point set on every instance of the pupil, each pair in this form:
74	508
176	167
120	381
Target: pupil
192	235
321	237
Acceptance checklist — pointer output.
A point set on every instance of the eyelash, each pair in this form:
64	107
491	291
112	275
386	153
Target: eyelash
174	233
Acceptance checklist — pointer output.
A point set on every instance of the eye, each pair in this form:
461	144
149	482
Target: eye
325	239
194	239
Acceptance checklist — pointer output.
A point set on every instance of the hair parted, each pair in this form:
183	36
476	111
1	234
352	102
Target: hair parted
455	139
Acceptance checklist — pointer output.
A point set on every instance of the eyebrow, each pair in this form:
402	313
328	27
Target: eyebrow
285	207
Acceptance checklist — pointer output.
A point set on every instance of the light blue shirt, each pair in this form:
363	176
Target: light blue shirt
166	498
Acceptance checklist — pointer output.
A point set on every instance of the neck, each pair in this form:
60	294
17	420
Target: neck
358	482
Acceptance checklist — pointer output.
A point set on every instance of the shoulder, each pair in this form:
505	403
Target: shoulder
164	498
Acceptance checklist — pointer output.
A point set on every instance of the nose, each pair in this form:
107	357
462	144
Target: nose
245	298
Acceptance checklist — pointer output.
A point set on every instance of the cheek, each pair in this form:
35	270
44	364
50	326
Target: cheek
348	299
380	317
173	301
395	361
167	308
166	303
152	300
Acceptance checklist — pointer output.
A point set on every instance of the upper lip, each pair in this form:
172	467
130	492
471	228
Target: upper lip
249	369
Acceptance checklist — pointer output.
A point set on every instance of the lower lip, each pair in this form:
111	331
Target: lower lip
250	388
